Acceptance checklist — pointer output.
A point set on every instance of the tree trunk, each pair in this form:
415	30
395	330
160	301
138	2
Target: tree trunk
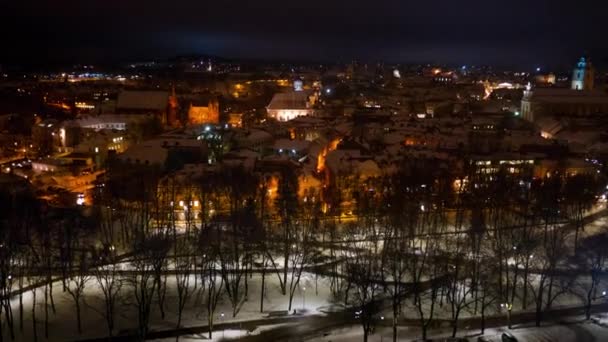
263	284
210	323
20	309
46	311
51	294
34	315
9	319
78	320
524	301
483	317
1	330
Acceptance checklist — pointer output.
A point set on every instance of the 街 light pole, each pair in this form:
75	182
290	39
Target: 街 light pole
509	307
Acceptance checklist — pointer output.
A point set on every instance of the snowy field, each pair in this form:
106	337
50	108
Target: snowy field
62	324
572	332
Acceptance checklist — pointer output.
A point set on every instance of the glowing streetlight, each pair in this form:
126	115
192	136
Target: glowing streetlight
509	307
223	328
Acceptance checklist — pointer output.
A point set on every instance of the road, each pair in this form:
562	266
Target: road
303	328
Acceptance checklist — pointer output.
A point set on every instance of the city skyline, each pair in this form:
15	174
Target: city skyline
311	171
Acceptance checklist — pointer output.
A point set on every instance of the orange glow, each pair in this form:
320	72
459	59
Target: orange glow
273	186
283	83
410	142
323	155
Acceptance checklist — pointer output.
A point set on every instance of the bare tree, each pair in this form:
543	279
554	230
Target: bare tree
579	192
183	262
149	251
364	271
545	262
425	293
110	283
75	286
592	260
212	281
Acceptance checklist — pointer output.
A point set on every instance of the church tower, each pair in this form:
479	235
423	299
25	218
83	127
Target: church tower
583	75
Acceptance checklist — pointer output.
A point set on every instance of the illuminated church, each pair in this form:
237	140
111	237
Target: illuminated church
580	100
293	104
583	75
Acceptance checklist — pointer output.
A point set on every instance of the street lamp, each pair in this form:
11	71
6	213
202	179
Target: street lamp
509	307
223	328
381	336
303	297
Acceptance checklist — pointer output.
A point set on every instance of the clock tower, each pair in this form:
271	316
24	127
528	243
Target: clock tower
583	75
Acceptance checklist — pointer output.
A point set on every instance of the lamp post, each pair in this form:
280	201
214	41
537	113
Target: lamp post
509	307
223	328
303	297
381	336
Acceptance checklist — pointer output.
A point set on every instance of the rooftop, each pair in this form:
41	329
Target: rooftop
292	100
143	100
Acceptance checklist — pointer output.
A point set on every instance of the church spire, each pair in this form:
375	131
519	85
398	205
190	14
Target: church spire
583	75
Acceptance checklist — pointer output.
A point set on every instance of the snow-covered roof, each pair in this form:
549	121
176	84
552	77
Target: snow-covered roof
552	95
150	152
291	100
287	144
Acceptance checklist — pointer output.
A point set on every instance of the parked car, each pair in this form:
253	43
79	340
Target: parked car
507	337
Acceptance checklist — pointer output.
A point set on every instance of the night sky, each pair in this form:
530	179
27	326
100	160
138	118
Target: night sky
521	33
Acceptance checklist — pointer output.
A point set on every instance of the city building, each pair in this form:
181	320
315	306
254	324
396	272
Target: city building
583	76
293	104
204	112
146	102
541	102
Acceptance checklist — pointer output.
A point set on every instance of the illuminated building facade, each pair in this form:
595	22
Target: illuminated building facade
207	113
288	106
543	102
583	75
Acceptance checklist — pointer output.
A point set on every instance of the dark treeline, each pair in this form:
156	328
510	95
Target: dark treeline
417	246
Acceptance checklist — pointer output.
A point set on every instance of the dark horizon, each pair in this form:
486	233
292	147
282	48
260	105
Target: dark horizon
518	34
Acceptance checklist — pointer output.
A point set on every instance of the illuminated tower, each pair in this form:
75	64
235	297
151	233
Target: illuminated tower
583	75
298	85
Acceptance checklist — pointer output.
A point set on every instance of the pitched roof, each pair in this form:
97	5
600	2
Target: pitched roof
291	100
569	95
143	100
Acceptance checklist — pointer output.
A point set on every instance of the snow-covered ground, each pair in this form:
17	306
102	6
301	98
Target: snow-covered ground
62	324
223	335
572	332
